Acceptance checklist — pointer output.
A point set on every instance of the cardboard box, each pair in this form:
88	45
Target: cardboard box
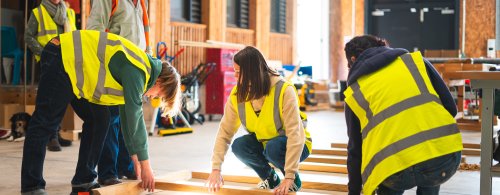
29	109
71	121
6	111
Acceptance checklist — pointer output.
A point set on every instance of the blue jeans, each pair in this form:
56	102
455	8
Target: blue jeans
427	176
115	159
252	153
54	94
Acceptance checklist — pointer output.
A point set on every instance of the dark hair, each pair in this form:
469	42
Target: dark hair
170	84
254	81
361	43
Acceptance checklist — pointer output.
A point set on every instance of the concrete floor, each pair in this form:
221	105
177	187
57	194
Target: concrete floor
192	152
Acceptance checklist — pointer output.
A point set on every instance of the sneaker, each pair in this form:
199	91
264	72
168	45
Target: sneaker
4	134
297	184
109	181
79	190
128	175
64	142
35	192
54	145
270	182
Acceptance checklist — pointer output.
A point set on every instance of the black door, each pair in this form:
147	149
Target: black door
415	25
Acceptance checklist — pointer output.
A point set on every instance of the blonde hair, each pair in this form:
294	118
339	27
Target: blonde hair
170	85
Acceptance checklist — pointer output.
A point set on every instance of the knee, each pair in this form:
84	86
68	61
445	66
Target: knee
275	148
238	146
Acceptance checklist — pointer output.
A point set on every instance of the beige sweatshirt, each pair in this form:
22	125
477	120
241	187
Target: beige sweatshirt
294	129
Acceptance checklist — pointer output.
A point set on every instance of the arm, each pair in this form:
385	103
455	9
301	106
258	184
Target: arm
99	15
294	132
441	89
227	128
353	151
30	36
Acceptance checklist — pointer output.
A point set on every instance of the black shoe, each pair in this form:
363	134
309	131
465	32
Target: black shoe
54	145
64	142
128	175
110	181
76	190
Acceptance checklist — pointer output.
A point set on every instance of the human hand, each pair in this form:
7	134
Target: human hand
284	186
214	181
148	179
137	165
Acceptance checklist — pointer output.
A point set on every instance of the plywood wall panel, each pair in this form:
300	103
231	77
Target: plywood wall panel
479	27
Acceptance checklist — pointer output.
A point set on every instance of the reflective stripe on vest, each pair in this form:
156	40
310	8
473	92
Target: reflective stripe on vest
386	157
105	45
47	28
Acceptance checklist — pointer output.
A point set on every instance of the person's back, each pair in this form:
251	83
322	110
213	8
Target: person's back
398	117
127	18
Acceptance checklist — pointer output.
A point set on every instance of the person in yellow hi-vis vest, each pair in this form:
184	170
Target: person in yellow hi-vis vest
46	21
268	108
92	70
400	121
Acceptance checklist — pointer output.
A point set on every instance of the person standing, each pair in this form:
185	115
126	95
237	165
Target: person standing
46	21
267	107
126	74
400	121
127	18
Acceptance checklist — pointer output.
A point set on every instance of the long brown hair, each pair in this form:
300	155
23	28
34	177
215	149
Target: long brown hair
254	81
170	84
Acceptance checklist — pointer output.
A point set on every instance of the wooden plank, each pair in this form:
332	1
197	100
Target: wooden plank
132	187
469	126
341	152
323	168
338	145
472	146
254	180
471	152
328	160
195	187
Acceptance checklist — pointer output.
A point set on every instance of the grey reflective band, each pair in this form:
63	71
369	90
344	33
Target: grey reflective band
276	110
129	52
43	30
396	109
242	114
405	143
360	98
77	44
410	64
146	28
101	73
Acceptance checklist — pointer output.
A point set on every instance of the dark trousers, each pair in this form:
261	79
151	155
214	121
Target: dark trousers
252	153
115	159
427	176
53	96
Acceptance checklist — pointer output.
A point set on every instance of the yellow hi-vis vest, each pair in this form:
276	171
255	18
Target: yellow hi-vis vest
47	28
269	123
86	55
403	121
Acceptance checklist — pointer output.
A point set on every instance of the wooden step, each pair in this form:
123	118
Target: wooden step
330	184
